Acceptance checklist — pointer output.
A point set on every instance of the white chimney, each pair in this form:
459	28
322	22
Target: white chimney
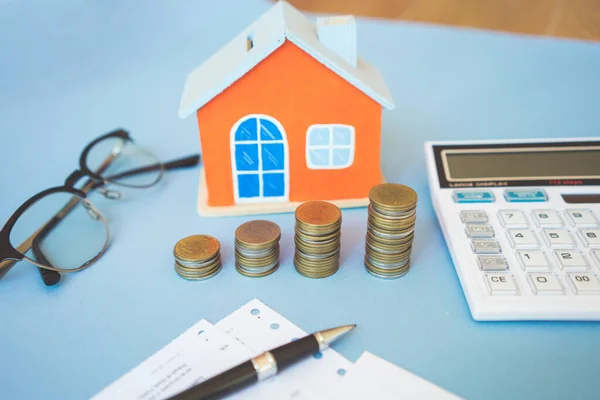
339	35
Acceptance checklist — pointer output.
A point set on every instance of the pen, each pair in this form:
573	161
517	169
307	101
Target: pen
262	366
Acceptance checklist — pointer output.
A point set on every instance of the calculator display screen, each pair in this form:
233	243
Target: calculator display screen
521	164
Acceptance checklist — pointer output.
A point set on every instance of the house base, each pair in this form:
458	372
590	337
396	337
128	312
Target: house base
264	208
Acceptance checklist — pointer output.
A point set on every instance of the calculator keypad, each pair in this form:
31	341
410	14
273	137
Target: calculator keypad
557	251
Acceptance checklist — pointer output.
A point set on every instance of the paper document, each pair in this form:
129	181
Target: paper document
205	350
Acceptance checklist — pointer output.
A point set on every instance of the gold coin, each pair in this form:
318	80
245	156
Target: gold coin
318	213
257	233
196	248
393	196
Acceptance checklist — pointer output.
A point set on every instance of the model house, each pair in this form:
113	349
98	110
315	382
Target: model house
287	113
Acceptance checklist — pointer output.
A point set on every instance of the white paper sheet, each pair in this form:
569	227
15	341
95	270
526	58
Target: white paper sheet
205	350
402	383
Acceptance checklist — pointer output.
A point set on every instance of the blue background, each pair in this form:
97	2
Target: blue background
70	71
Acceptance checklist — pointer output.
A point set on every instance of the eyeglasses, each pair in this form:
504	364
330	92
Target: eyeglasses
78	234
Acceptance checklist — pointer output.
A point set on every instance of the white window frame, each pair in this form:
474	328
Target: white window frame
330	146
286	170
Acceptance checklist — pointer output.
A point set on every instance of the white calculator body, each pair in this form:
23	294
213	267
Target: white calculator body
522	221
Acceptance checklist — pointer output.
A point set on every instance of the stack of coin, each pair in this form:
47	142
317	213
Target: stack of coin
257	248
197	257
390	230
318	231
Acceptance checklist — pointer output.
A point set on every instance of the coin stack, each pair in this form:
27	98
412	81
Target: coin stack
318	232
390	230
197	257
257	248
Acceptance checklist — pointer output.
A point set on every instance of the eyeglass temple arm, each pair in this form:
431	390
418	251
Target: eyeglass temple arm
5	266
185	162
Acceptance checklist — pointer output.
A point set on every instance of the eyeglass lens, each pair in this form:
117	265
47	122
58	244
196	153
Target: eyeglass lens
75	240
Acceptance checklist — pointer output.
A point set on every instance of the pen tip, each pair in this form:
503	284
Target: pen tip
330	335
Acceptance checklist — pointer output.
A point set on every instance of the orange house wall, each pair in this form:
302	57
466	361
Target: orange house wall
298	91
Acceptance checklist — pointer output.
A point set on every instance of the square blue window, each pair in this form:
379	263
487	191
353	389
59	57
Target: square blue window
341	158
342	135
319	158
246	157
273	185
272	156
248	185
318	136
269	131
246	130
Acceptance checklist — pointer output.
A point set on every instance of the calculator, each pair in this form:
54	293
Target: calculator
521	219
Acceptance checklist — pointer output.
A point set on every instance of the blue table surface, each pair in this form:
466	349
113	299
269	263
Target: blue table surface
70	71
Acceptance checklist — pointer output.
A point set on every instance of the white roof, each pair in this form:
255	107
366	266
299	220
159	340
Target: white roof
269	32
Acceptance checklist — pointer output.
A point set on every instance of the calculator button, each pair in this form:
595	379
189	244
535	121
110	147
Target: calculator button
545	284
479	231
473	197
492	263
473	217
571	260
525	196
513	219
522	238
590	237
585	283
501	284
533	260
549	218
558	238
581	217
481	246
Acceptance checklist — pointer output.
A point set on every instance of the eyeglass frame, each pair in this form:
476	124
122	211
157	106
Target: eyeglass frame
7	250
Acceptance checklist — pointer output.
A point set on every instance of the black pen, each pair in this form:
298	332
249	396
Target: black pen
263	366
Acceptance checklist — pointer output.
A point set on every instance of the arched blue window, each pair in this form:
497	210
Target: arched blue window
260	159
